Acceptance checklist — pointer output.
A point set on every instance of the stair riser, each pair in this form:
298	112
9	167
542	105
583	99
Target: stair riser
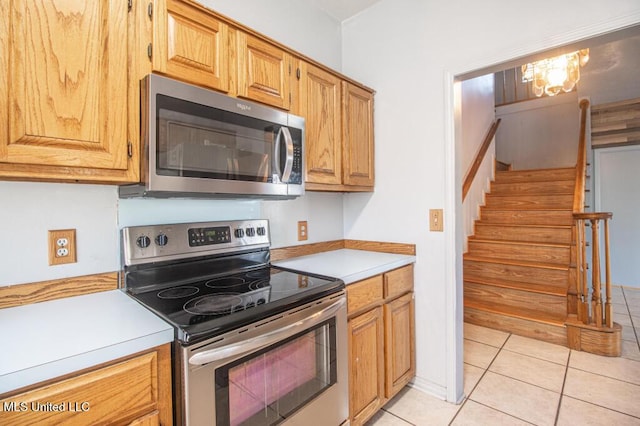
527	217
519	326
530	201
536	175
532	253
522	188
499	296
513	233
526	274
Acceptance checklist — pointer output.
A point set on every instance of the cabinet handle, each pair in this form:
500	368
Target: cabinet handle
150	10
298	73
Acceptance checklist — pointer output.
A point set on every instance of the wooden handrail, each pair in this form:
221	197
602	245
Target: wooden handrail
590	311
471	174
581	163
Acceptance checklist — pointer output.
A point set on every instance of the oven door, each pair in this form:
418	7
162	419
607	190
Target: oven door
290	369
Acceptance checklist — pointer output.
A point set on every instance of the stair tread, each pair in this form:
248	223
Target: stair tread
517	225
517	285
528	314
542	265
522	243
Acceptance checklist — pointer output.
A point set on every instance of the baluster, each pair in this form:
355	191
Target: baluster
583	272
596	302
578	249
608	314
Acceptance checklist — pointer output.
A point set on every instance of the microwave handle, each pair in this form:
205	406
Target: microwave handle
236	349
284	173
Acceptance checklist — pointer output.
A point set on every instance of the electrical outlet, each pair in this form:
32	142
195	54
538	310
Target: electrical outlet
62	246
303	230
436	222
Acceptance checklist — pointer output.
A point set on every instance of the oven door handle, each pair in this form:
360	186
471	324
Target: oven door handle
252	344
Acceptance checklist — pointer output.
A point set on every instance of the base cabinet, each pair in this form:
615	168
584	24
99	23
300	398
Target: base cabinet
381	340
366	352
131	391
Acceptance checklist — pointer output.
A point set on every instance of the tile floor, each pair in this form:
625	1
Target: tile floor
513	380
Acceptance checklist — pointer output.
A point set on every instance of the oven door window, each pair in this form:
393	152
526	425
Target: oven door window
194	140
266	387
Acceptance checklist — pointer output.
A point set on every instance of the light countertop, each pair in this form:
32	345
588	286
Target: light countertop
45	340
347	264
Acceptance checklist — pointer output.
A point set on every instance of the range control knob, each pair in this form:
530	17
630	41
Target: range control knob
251	232
239	233
143	241
162	240
261	231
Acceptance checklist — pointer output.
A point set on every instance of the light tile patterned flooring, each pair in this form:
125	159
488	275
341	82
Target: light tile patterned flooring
513	380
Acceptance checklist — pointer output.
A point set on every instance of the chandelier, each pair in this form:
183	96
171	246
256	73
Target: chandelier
555	75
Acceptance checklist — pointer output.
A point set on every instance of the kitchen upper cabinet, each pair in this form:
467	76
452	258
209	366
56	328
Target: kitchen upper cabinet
339	132
357	136
320	103
264	71
381	340
63	91
135	391
190	44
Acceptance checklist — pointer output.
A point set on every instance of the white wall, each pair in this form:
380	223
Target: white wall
409	51
540	133
477	115
617	174
612	72
29	210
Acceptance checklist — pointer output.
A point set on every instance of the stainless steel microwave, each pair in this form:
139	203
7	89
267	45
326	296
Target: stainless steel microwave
200	143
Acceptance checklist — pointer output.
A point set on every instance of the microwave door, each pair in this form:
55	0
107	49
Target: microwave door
283	154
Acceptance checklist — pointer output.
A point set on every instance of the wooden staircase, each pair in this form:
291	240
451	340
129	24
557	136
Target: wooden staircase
516	269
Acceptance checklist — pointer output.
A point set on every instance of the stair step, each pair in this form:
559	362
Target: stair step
532	233
550	329
501	297
546	289
524	188
517	250
527	217
489	269
530	201
539	175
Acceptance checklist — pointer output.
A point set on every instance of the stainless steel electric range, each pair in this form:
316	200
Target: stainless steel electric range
254	344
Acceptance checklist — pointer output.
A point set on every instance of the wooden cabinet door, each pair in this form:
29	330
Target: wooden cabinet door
357	136
264	72
63	86
320	94
190	44
116	394
400	363
366	365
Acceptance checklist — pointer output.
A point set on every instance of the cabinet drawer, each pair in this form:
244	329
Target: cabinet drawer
364	293
398	281
115	394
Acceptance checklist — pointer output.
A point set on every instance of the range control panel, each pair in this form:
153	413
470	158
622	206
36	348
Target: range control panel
153	243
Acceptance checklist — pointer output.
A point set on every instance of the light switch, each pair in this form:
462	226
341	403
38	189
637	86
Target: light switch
436	222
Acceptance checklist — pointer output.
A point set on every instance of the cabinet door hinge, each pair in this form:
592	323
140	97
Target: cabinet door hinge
150	10
129	5
129	149
150	50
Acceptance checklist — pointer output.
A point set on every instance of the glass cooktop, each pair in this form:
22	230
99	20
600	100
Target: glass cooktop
207	307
